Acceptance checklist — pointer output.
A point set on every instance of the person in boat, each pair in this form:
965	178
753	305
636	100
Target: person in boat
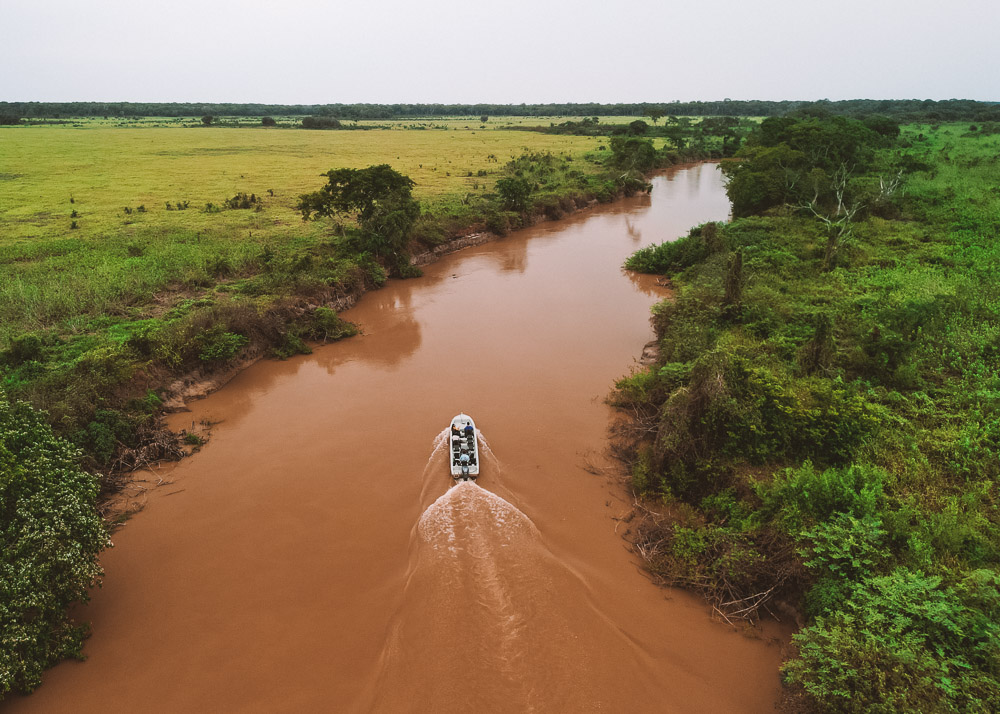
455	431
469	430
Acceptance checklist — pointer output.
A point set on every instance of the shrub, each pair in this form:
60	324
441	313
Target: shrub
320	123
906	642
241	201
22	349
219	345
672	257
806	495
328	326
514	192
50	535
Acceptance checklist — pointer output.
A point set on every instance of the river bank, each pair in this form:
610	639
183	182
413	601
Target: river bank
312	563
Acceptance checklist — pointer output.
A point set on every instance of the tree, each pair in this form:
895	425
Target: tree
207	119
638	127
381	200
655	114
320	123
632	154
268	121
484	118
515	192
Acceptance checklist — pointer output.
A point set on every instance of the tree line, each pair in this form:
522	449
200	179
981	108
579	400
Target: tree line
906	110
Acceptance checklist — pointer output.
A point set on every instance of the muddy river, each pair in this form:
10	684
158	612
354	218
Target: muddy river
316	556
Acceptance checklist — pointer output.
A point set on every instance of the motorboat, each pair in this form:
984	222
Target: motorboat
464	448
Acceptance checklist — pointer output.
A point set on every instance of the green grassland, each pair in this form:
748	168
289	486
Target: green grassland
113	259
829	434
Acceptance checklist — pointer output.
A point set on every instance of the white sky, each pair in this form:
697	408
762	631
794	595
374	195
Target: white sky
506	51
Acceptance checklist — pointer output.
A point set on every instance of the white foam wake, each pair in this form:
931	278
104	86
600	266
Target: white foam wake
471	506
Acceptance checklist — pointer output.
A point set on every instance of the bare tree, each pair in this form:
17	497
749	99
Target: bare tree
840	221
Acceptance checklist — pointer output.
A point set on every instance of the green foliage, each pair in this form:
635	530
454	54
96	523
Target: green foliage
22	349
805	495
102	435
734	408
673	257
632	154
50	535
514	192
845	547
906	641
794	160
380	197
327	326
358	191
852	413
219	345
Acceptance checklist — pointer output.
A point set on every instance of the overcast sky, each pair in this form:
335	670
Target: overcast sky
506	51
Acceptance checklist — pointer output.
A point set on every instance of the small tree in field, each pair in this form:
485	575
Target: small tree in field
515	192
655	114
207	119
379	197
484	118
268	121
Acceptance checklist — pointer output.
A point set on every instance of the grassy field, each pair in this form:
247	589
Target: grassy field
118	182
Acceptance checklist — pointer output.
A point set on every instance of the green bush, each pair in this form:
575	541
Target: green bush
22	349
219	345
805	495
50	535
327	326
906	642
673	257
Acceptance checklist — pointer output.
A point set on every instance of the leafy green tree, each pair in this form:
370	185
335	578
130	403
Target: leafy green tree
809	162
50	535
268	121
632	154
638	127
655	114
379	197
207	119
515	192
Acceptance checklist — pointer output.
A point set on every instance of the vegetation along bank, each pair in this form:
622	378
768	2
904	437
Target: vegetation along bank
822	426
138	260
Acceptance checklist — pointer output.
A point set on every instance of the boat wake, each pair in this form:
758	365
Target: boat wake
481	604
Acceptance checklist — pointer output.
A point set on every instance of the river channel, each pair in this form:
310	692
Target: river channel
316	556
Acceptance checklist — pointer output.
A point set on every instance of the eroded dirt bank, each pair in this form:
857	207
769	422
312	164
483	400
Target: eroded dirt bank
313	558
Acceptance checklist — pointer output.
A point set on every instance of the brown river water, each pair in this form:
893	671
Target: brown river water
316	556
